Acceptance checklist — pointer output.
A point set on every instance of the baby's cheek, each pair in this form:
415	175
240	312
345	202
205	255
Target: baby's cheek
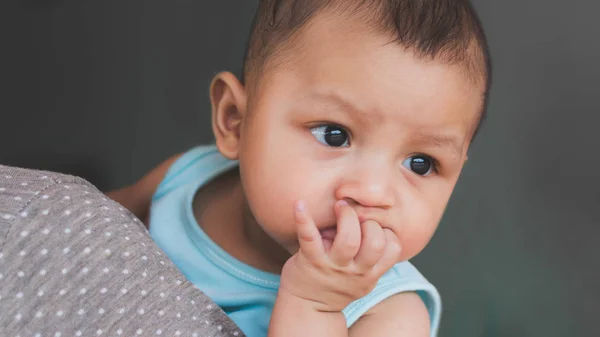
272	208
418	229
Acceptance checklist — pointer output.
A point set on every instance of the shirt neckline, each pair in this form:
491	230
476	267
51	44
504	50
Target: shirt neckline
212	250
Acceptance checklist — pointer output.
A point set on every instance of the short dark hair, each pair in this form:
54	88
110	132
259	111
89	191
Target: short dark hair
448	30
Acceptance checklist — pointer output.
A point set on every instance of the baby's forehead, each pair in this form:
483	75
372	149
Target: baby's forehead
357	45
432	35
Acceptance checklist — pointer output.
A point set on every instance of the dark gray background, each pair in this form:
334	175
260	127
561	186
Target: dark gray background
108	89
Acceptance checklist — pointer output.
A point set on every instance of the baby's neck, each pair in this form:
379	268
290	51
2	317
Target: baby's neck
221	209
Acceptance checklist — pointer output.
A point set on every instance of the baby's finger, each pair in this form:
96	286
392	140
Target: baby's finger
309	237
347	239
372	245
391	253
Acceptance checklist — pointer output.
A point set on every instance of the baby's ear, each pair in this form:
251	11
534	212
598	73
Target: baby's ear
228	100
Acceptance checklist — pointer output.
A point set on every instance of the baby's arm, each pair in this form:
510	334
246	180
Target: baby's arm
401	315
319	281
137	197
294	316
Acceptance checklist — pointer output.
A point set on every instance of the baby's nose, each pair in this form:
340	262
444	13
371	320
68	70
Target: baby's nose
368	188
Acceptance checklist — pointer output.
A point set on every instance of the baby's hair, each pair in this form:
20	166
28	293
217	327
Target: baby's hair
443	30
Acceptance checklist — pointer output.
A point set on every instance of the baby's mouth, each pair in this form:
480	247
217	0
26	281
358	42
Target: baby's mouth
328	233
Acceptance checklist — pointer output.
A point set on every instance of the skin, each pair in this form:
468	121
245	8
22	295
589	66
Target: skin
331	220
364	207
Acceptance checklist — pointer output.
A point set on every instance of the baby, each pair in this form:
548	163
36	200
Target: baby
335	156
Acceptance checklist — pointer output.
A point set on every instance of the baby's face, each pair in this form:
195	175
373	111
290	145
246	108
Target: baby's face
361	119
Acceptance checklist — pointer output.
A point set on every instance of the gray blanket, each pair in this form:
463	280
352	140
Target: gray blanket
75	263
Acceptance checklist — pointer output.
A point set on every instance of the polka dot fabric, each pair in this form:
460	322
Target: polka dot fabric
75	263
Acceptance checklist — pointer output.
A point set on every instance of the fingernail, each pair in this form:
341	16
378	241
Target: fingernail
299	206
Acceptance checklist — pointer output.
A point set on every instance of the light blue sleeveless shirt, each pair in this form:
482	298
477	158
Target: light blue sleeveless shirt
245	293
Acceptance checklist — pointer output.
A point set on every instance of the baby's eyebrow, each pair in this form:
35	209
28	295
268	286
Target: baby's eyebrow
440	141
332	96
347	105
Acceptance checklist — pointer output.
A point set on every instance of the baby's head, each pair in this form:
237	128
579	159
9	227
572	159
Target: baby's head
375	102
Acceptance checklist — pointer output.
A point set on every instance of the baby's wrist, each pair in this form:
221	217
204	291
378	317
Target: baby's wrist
305	303
297	316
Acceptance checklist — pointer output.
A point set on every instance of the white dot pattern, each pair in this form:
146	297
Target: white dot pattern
70	269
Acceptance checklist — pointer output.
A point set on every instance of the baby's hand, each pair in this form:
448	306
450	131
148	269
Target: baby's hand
332	277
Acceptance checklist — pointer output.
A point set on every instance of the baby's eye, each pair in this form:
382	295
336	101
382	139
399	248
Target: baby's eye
420	164
331	135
